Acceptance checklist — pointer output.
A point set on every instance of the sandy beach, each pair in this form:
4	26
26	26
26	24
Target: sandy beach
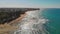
6	28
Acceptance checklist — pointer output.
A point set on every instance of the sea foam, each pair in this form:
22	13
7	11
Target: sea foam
32	24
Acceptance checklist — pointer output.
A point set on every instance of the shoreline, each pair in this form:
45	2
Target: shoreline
11	26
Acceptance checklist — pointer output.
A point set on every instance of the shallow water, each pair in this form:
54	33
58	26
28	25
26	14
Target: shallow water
33	23
46	21
53	15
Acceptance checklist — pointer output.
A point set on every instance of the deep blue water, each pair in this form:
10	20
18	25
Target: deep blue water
53	15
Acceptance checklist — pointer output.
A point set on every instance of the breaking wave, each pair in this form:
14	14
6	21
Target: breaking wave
32	24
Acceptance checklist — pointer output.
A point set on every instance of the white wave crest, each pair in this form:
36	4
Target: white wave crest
32	24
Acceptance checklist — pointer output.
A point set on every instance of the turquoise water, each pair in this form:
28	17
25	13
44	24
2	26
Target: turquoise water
53	15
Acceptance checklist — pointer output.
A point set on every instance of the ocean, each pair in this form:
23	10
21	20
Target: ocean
53	15
44	21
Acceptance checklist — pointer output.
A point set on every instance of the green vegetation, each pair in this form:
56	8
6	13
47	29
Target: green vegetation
8	16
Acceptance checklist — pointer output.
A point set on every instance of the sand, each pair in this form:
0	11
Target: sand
7	28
